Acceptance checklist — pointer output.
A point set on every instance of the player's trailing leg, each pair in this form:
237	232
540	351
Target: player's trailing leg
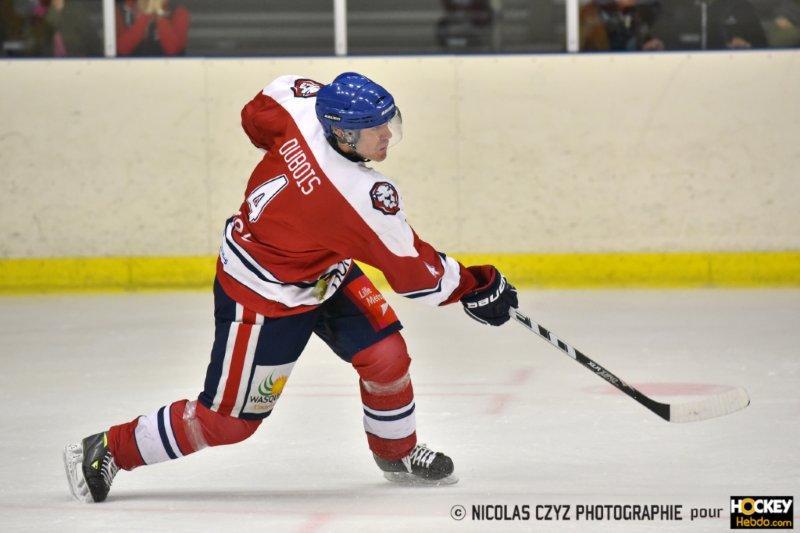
388	400
170	432
90	468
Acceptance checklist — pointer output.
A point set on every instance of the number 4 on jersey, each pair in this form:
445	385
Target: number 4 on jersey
264	194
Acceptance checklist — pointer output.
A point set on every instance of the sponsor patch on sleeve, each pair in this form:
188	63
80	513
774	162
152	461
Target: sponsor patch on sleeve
371	302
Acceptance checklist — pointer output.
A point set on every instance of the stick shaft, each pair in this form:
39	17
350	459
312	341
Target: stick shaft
661	409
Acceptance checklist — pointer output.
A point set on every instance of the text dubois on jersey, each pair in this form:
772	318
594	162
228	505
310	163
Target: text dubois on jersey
297	162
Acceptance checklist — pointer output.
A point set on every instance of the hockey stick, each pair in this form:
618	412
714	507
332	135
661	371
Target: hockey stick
714	406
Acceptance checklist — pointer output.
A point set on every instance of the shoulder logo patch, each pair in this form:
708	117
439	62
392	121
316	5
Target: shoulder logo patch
306	88
385	198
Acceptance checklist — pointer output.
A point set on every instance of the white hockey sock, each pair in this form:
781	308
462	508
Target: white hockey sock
155	437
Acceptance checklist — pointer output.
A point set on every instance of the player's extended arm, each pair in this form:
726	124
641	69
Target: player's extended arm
414	269
373	229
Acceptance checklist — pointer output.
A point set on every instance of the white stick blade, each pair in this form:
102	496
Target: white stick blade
719	405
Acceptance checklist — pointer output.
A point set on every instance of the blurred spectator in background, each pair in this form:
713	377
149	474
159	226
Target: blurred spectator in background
151	28
55	28
10	23
619	25
466	24
71	32
709	25
781	20
25	31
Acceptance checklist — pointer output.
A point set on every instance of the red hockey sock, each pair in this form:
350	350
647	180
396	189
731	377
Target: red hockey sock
122	444
173	431
388	397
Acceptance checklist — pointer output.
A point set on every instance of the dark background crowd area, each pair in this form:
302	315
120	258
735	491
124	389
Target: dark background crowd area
74	28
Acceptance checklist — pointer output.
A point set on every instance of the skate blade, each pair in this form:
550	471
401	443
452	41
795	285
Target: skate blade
73	466
410	480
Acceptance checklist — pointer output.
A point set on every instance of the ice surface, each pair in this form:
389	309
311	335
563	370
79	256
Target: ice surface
523	422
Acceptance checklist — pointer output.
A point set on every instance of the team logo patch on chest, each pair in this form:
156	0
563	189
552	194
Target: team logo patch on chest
385	198
306	88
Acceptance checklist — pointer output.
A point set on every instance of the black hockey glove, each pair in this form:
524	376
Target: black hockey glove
491	303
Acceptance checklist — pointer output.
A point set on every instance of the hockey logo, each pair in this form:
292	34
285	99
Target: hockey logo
762	512
385	198
306	88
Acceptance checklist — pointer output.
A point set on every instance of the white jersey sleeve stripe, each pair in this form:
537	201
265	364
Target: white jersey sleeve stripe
423	292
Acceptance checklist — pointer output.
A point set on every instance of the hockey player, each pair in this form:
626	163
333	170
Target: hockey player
285	270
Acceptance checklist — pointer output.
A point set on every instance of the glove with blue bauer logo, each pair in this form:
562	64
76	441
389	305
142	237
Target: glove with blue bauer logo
493	300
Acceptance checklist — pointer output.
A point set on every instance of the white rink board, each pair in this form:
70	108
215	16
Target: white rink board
554	153
524	424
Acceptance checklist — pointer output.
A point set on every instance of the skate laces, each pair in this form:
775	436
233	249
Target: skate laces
109	469
421	455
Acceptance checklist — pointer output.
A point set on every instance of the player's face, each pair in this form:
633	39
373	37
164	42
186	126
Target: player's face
373	143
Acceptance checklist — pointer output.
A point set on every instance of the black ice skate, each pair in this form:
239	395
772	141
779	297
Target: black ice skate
422	466
90	468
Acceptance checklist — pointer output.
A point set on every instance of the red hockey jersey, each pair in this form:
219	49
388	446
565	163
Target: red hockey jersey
309	211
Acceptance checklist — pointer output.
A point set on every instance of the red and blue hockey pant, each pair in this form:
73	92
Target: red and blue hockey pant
251	361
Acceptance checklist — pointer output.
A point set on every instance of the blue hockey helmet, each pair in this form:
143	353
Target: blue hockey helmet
353	102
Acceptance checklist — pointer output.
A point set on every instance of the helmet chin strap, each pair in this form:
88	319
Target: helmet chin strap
349	138
335	140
